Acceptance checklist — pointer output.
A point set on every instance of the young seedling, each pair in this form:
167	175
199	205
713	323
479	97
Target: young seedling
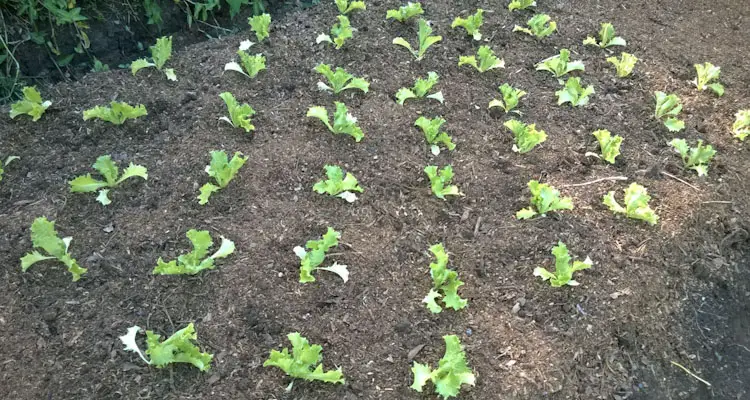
117	112
178	348
160	53
31	105
4	164
707	73
511	96
345	6
440	181
316	254
607	37
487	60
521	4
560	64
405	12
250	65
222	170
44	236
445	283
339	33
304	362
609	145
667	108
420	89
544	198
431	129
198	259
451	374
260	24
574	93
343	121
636	204
108	169
539	26
624	65
470	24
239	115
425	40
340	80
338	184
696	158
741	126
563	274
526	137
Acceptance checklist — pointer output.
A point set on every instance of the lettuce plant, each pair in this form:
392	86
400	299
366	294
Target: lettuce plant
526	137
405	12
44	236
107	169
304	362
339	33
117	112
178	348
31	105
222	170
451	374
563	274
544	198
239	115
249	65
521	4
539	26
667	108
345	6
624	65
338	184
574	93
420	89
340	80
198	259
343	121
511	96
560	64
706	73
470	24
487	60
636	204
160	53
315	254
431	130
440	181
609	145
445	283
424	38
741	126
260	24
607	37
696	158
5	163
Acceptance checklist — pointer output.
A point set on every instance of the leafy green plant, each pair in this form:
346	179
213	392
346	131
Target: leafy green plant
539	26
607	37
451	374
345	6
521	4
440	181
636	204
544	198
31	104
707	73
260	24
624	65
574	93
696	158
222	170
339	33
560	64
108	169
338	184
470	24
511	96
487	60
304	362
4	164
431	130
667	108
420	89
343	121
609	145
741	125
526	137
239	115
178	348
563	274
424	38
310	260
117	112
160	53
340	80
44	236
405	12
445	283
250	65
198	259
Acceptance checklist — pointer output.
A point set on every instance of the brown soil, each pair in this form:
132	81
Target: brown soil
686	279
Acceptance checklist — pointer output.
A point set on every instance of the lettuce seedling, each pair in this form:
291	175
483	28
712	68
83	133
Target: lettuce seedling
405	12
31	105
609	145
340	32
44	236
311	260
741	125
559	65
108	169
440	181
343	121
250	65
624	65
526	137
340	80
668	106
420	89
696	158
345	7
563	274
544	198
707	73
606	37
431	129
338	184
425	40
574	93
487	60
539	26
445	283
117	112
178	348
511	96
160	53
451	374
521	4
198	259
222	170
260	25
470	24
304	362
636	204
239	115
4	164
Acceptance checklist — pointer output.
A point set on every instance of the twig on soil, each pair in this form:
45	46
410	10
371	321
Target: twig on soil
609	178
476	227
690	373
717	202
680	180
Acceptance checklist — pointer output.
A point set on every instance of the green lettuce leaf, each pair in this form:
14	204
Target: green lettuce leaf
539	26
610	145
304	362
563	274
117	113
424	37
544	198
260	25
470	24
44	236
31	104
526	136
451	374
440	181
239	115
405	12
338	185
636	204
178	348
315	254
198	259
